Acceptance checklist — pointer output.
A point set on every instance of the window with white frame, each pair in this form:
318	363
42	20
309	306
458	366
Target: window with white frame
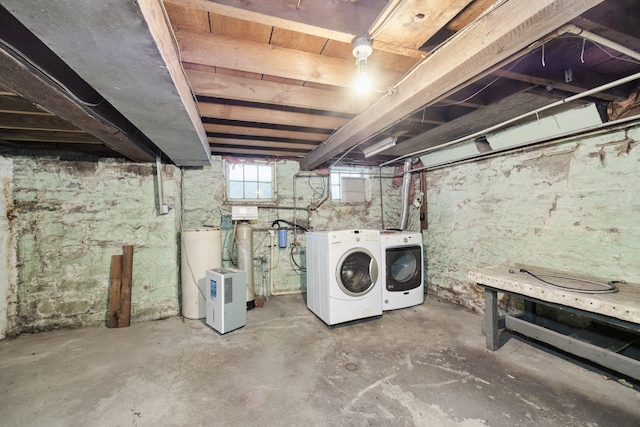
350	185
251	181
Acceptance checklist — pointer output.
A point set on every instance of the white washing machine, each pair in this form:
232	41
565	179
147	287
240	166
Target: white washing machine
343	275
402	269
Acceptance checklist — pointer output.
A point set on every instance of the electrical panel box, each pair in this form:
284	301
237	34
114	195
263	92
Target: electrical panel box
226	295
244	213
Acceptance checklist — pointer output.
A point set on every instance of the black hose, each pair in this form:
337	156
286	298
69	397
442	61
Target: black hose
609	287
278	221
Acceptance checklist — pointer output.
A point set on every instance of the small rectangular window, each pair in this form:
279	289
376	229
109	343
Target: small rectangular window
250	181
350	185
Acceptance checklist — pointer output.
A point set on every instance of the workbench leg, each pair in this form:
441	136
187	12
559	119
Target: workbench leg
491	318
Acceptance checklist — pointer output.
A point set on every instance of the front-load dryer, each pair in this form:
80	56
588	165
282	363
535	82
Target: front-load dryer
343	275
402	271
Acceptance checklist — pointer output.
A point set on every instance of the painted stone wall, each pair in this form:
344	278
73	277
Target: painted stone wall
8	289
204	204
62	220
71	217
573	207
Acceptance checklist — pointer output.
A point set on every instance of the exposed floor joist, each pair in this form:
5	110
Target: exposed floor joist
505	31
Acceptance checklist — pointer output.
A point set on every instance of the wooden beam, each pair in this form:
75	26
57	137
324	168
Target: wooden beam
261	115
470	123
254	131
124	319
115	304
47	136
256	152
24	121
220	51
333	20
239	88
18	105
572	88
256	143
160	28
31	84
500	34
416	22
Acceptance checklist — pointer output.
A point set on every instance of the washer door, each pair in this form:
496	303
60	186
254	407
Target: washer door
404	266
357	272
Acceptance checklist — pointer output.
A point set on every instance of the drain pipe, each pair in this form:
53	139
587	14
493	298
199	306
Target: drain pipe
406	192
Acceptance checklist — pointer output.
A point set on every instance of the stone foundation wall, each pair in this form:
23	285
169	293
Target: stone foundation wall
71	217
574	206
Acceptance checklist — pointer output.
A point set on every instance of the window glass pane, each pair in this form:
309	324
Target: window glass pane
236	173
250	190
250	173
236	190
265	190
264	173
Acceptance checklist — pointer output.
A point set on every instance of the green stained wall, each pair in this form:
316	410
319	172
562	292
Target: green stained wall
204	204
62	220
71	217
574	206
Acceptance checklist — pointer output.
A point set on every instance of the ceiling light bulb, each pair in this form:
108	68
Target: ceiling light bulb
363	84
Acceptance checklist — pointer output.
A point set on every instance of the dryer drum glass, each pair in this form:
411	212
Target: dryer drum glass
404	267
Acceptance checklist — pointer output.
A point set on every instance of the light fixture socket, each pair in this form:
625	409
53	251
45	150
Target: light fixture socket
361	49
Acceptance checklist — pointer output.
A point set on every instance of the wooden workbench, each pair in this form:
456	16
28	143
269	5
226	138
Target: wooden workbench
620	309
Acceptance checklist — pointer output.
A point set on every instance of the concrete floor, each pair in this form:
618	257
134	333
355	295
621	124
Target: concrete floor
422	366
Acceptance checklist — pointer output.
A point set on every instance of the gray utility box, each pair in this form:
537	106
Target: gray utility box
226	296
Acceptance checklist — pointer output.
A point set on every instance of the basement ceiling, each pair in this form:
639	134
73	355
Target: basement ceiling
274	79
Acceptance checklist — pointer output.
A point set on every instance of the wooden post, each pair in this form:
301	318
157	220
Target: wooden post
120	293
125	294
114	294
424	220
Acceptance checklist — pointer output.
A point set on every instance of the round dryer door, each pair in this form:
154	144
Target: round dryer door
404	268
357	272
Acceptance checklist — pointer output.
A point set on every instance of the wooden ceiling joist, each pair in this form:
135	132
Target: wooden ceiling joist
31	84
262	132
506	30
261	115
47	136
416	22
221	51
257	143
241	150
239	88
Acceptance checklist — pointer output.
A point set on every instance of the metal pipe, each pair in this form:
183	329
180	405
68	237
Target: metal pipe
520	117
406	192
585	34
272	286
572	29
589	131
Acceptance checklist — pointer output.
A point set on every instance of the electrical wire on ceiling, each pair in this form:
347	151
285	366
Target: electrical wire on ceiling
390	91
27	61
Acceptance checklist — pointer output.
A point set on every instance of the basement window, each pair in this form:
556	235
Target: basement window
250	181
350	185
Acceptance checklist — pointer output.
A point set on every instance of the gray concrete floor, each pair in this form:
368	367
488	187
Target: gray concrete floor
423	366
